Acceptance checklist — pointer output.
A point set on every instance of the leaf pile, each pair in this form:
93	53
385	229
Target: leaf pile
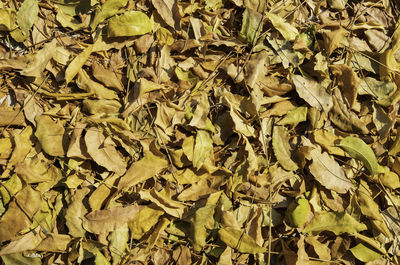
199	132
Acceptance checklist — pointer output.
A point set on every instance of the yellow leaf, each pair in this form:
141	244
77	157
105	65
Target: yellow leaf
281	147
202	148
76	64
240	241
103	152
337	223
147	167
51	136
104	221
288	31
108	9
162	200
130	23
143	221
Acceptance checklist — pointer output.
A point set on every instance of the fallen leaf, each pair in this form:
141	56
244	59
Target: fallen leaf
108	9
359	150
337	223
104	221
288	31
328	172
51	136
281	147
202	148
103	152
313	93
364	253
130	23
147	167
237	239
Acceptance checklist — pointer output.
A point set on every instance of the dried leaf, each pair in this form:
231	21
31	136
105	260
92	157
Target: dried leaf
108	9
359	150
147	167
280	144
51	136
202	148
251	25
104	221
103	152
337	223
130	23
328	172
168	10
237	239
313	93
288	31
364	253
76	64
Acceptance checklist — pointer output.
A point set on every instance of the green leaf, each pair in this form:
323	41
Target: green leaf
294	116
108	9
202	148
251	26
298	212
359	150
364	253
239	240
130	23
337	223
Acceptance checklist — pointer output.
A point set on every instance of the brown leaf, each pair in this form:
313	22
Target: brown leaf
147	167
103	151
104	221
51	135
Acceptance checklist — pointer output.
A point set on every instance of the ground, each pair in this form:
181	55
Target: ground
202	132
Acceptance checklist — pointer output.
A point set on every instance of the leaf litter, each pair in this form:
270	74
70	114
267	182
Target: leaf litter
199	132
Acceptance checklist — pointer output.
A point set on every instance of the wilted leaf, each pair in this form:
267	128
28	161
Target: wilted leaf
76	64
7	19
168	10
104	221
328	172
337	223
108	9
237	239
333	39
75	212
288	31
103	152
26	16
202	148
19	259
19	213
147	167
313	93
162	200
143	221
298	212
365	253
118	243
359	150
294	116
251	25
280	144
130	23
